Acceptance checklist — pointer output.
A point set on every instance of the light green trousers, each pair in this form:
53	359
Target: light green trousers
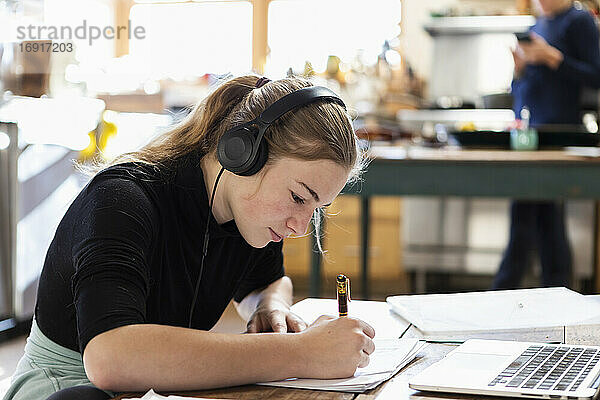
45	368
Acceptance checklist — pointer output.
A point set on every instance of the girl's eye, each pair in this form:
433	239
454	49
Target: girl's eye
297	198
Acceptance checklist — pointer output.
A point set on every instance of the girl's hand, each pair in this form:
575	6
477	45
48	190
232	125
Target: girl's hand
335	347
274	316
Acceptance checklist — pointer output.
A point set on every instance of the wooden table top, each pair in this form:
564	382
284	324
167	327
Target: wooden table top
397	387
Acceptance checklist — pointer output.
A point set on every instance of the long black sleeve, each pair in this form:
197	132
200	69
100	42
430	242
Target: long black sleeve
111	243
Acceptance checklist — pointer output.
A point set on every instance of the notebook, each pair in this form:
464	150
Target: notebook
389	357
515	369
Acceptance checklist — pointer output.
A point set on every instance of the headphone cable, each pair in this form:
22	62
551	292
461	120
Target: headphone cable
204	247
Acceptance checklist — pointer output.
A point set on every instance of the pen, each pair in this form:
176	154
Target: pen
343	294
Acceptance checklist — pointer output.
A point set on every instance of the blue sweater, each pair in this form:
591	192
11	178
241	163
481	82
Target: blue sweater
553	96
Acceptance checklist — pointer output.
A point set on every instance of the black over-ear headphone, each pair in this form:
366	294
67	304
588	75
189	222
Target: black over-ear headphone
241	149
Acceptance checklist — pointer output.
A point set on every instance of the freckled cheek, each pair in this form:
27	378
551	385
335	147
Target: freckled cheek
264	211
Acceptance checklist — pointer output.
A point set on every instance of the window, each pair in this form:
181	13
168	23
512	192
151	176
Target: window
74	14
311	30
191	39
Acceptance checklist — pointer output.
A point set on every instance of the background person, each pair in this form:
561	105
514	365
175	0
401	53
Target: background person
550	71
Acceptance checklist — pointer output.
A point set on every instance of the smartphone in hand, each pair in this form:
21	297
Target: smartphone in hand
523	36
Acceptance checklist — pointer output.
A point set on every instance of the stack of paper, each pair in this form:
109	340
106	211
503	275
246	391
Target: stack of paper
389	357
496	310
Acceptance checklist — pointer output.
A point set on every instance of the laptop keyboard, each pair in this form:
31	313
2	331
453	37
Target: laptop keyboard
549	368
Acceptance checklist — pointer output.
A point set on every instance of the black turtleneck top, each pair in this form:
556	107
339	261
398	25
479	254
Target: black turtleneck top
128	251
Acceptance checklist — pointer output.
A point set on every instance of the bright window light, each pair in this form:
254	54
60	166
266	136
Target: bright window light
312	30
191	39
71	13
133	131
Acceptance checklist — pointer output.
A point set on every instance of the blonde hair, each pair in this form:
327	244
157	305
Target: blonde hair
317	131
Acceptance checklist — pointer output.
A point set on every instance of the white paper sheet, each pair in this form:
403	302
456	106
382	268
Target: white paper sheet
495	310
376	313
152	395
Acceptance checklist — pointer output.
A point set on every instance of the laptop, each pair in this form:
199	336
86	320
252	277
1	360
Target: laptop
515	369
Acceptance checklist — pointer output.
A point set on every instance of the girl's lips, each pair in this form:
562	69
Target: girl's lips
276	237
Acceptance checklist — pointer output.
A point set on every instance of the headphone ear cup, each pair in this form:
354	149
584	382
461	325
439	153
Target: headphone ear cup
234	149
262	155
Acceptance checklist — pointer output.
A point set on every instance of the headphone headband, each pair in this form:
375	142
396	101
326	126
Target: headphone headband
297	99
241	149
